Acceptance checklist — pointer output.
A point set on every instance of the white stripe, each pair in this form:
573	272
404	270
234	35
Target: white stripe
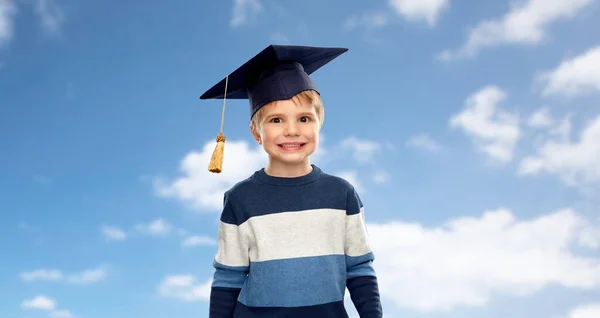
232	247
296	234
357	242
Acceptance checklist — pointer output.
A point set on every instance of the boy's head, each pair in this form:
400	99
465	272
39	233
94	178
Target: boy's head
288	129
285	105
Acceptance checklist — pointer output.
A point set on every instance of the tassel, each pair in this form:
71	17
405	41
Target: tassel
216	161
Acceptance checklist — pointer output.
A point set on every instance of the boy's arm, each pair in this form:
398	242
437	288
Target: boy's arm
361	279
231	264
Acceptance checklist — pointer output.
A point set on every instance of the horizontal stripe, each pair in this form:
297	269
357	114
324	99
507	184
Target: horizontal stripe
329	310
295	282
360	266
228	276
357	243
254	198
232	247
296	234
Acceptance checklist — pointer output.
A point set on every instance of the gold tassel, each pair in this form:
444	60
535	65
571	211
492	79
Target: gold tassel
216	161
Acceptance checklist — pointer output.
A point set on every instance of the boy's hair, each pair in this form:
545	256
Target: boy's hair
309	96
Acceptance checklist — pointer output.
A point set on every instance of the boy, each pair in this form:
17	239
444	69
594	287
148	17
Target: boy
291	238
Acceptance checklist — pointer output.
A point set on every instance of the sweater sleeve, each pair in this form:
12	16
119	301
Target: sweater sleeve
361	279
231	264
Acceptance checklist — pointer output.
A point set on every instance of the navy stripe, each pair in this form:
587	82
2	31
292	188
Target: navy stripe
222	302
364	292
329	310
318	279
258	197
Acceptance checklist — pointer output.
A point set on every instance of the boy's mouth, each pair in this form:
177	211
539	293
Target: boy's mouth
291	146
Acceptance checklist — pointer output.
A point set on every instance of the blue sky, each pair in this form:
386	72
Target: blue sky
471	130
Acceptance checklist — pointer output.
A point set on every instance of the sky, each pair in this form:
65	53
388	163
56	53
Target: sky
471	130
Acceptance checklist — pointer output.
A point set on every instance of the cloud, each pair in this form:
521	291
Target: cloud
44	303
197	240
55	275
591	310
158	227
574	76
244	10
380	177
204	190
369	20
527	22
423	141
61	314
42	274
575	162
465	261
39	302
420	10
184	288
363	150
541	118
494	131
112	233
8	11
50	14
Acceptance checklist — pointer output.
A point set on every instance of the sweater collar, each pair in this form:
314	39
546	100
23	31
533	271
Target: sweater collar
313	175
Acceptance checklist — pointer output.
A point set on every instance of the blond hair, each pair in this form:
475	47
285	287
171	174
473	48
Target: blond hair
308	96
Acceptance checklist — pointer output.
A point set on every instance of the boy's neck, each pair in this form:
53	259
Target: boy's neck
275	169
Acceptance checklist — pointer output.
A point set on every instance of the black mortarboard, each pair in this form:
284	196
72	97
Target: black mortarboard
276	73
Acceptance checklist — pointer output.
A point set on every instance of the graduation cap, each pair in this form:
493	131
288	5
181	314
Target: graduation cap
278	72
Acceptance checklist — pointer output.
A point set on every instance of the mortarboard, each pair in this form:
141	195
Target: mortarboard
278	72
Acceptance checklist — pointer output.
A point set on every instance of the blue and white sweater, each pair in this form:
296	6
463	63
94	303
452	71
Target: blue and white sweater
289	247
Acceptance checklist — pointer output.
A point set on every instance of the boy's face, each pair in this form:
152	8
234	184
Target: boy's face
289	132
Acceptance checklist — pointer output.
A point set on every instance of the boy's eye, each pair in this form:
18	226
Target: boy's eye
304	119
276	120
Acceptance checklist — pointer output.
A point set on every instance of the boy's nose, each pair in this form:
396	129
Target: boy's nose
291	129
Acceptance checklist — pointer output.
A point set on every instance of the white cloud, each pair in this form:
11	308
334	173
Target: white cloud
50	14
420	10
185	288
42	274
541	118
423	141
380	177
8	10
527	22
465	261
87	277
204	190
364	150
576	162
494	131
61	314
158	227
113	233
585	311
244	10
39	302
55	275
197	240
368	20
574	76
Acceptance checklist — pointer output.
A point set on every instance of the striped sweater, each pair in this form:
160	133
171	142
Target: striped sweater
289	247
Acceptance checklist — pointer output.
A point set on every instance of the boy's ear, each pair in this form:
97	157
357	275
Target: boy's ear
255	134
